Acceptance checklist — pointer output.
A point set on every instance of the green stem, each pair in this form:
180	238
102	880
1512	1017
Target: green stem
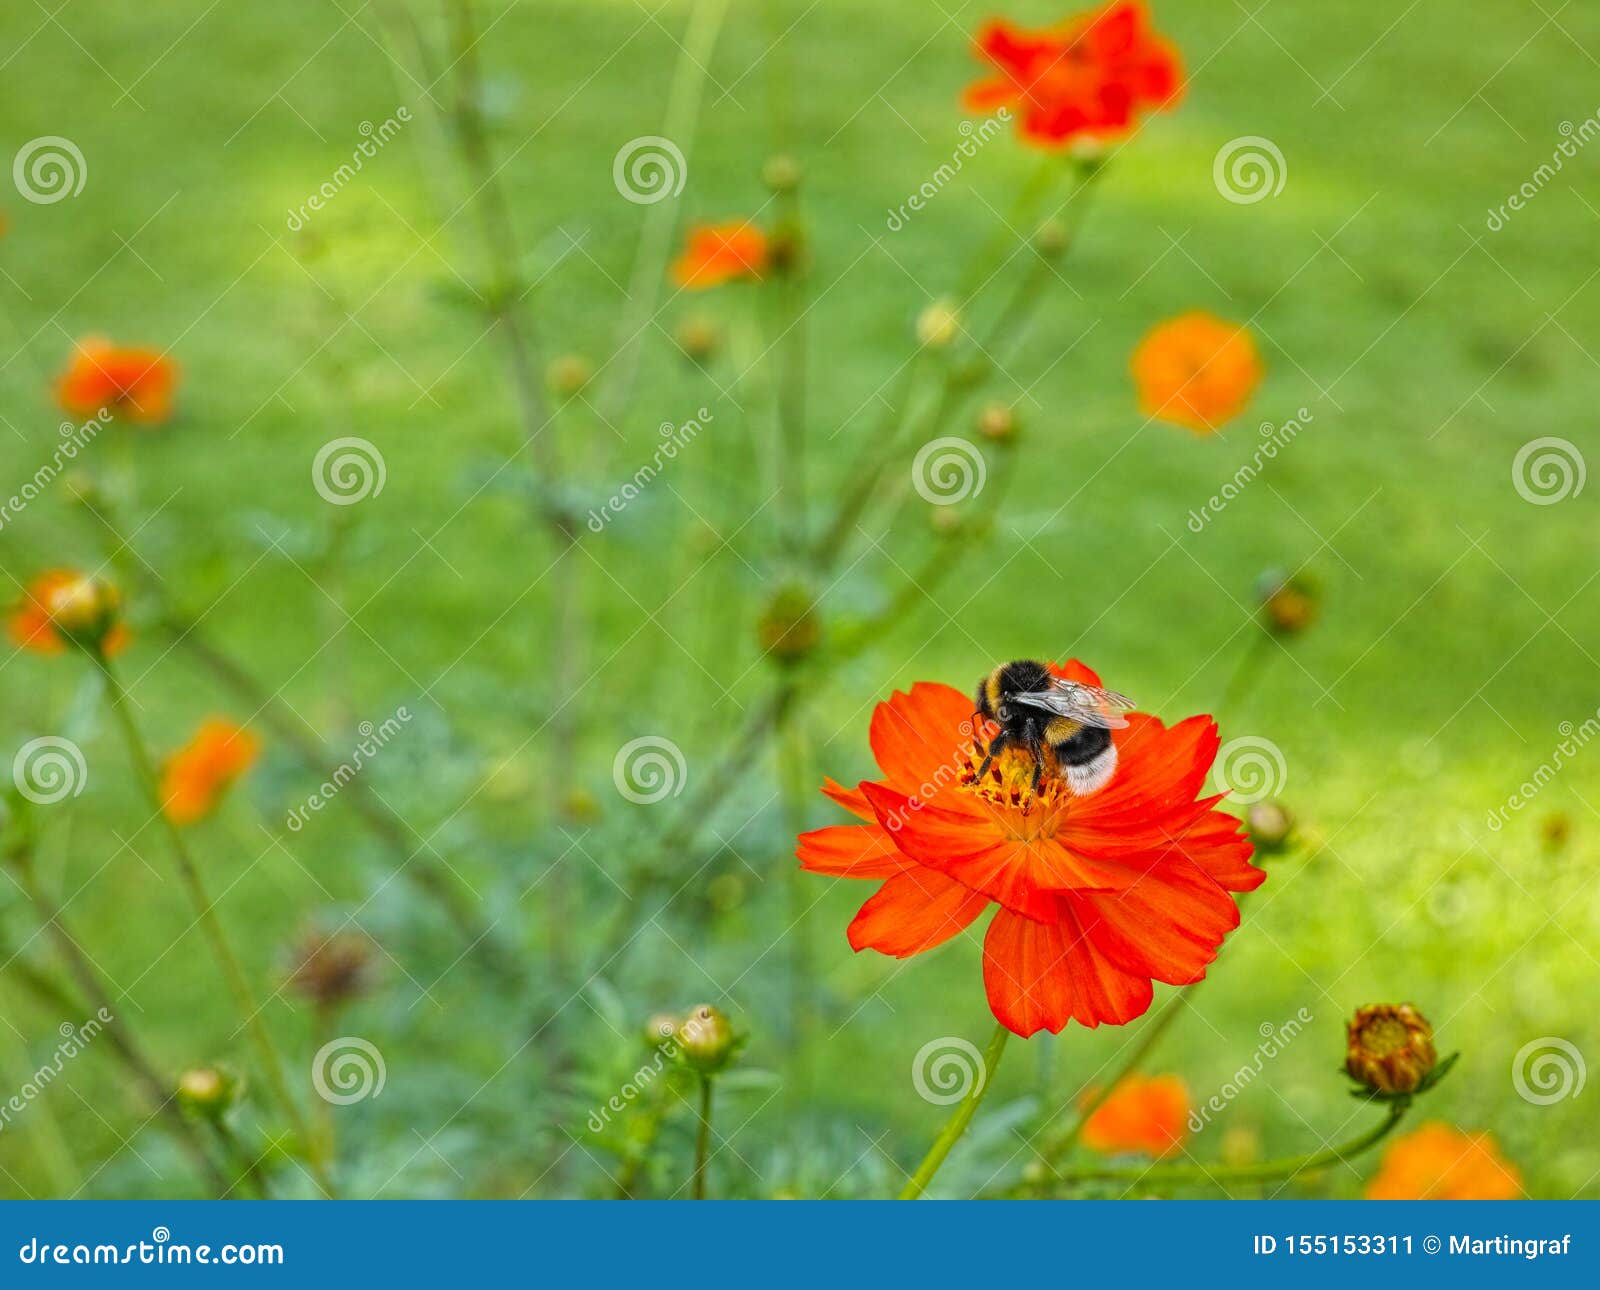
655	235
1246	672
957	1123
210	925
702	1139
1267	1170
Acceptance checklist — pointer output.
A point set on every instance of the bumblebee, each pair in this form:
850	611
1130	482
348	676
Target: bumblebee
1058	722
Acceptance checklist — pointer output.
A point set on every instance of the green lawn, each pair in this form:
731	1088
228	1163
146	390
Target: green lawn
1459	627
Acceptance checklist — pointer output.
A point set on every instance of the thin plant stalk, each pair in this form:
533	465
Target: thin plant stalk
702	1139
211	925
957	1124
1265	1171
52	1147
156	1091
655	233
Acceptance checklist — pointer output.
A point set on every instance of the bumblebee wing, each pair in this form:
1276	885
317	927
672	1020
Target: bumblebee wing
1087	704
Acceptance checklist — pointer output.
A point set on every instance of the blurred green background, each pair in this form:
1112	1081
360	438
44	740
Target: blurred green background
1458	631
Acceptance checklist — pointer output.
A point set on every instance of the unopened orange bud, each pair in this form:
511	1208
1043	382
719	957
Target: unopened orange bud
1389	1048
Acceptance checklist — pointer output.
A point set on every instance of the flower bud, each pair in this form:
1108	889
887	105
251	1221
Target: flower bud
579	805
1051	238
998	423
330	968
209	1091
1389	1048
1289	604
83	610
786	249
569	374
1270	825
706	1039
660	1029
697	337
781	173
938	324
1554	830
788	629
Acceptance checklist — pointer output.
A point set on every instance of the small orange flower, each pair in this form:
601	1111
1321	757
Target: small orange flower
1147	1115
1099	896
1438	1162
198	774
1196	371
134	383
718	253
1090	76
61	601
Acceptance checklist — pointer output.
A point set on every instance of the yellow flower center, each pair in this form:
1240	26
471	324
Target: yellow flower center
1385	1036
1008	783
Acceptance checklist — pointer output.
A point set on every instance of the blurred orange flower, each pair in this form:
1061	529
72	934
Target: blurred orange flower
1438	1162
1091	75
198	774
1148	1115
1098	895
134	383
52	601
1196	371
718	253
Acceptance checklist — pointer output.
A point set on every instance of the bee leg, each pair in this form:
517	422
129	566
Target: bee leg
1036	749
996	745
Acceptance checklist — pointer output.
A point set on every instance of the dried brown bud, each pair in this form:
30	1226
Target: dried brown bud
330	968
1389	1048
1289	604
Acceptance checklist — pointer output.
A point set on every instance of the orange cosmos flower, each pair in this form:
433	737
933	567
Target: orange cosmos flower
198	774
1099	896
1196	371
134	383
60	606
1149	1116
718	253
1090	76
1440	1163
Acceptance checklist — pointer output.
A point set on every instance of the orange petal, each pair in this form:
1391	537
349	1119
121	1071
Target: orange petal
851	851
1169	925
1039	976
918	737
914	911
